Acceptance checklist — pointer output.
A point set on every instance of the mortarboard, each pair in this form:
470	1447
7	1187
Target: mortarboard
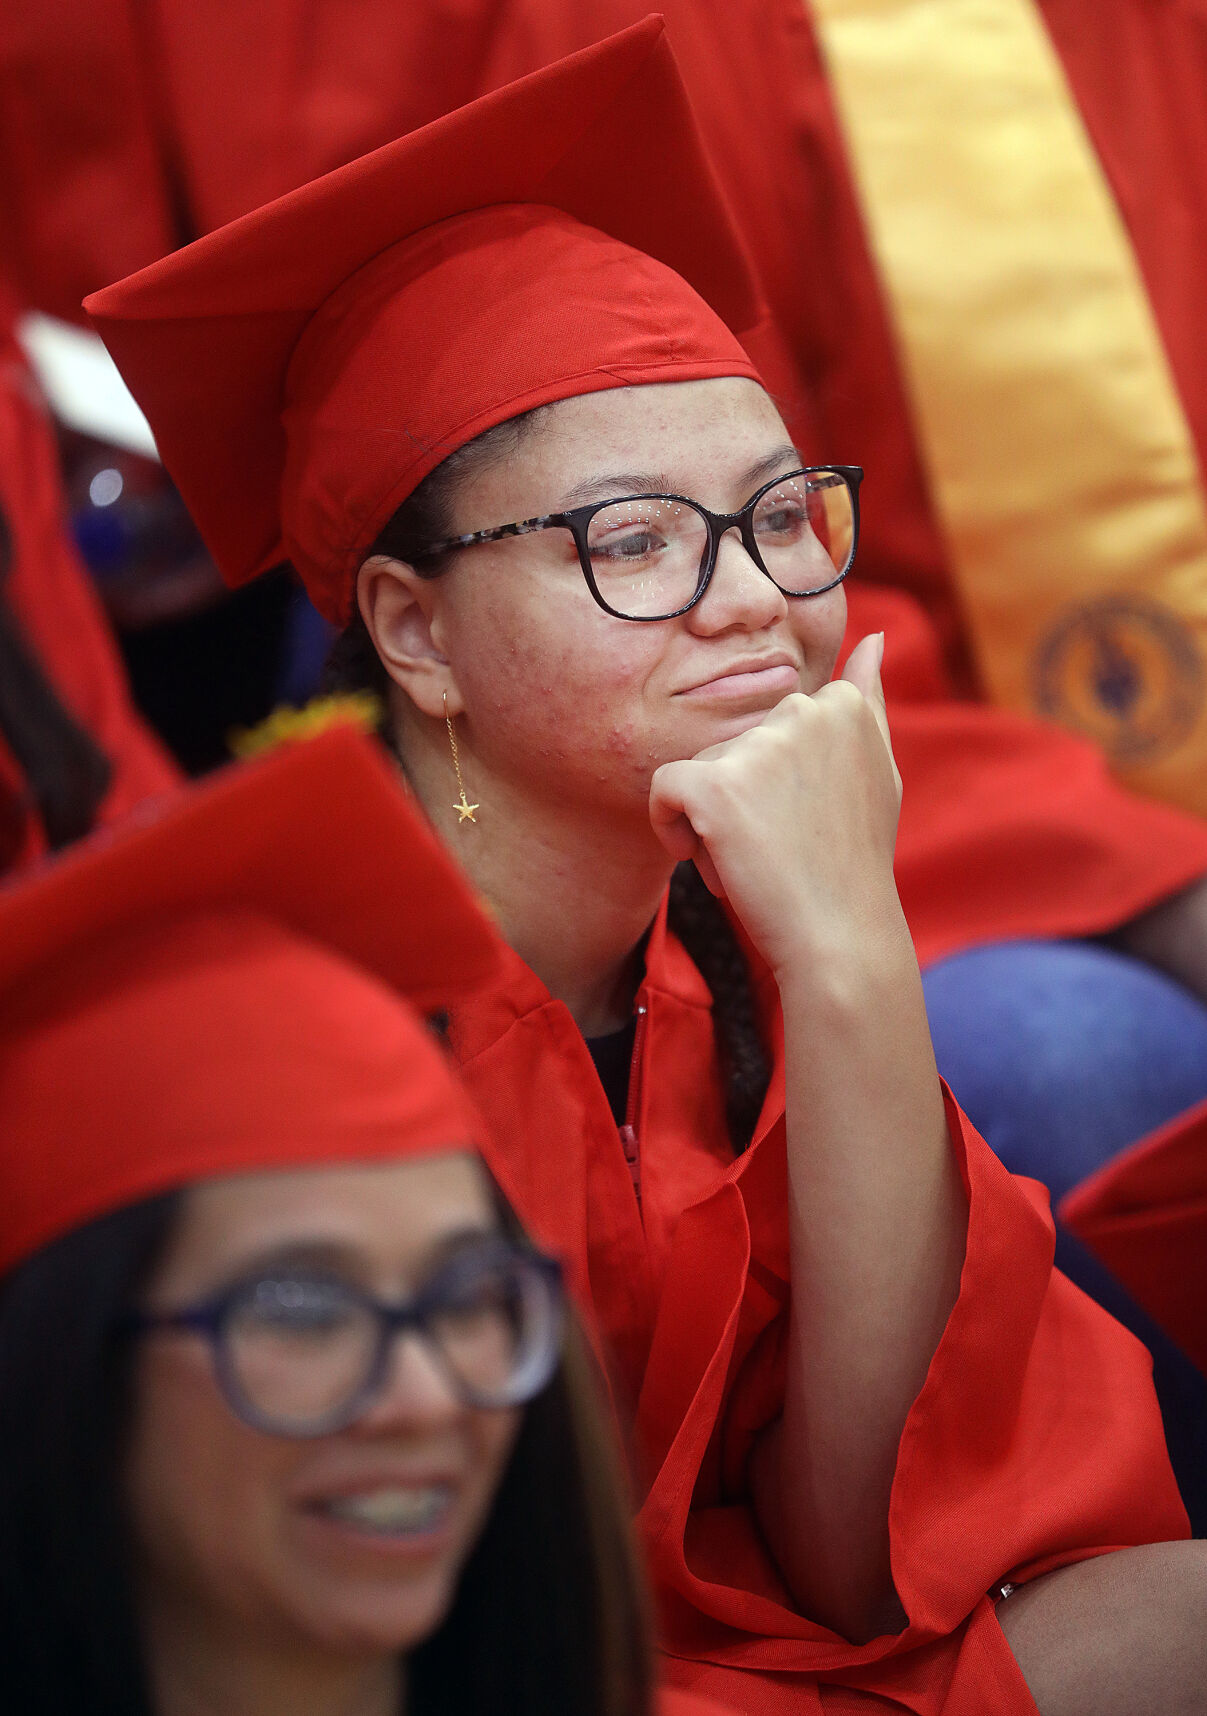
232	984
304	367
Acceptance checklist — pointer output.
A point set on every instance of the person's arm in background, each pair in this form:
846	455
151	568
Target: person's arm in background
1173	937
80	751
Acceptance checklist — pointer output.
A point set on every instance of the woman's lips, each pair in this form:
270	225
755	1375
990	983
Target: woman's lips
755	682
398	1511
404	1519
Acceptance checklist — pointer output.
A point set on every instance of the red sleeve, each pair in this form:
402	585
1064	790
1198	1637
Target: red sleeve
1037	1436
1035	1440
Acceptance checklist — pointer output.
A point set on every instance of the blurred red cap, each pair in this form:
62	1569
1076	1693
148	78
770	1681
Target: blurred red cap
232	985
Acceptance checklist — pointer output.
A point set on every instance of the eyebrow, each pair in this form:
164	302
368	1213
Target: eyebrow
332	1257
328	1257
452	1244
772	464
623	483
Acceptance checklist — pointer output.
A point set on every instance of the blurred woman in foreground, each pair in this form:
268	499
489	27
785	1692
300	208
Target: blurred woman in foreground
287	1421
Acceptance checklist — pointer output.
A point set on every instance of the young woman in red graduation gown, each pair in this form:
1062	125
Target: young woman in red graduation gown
858	1401
289	1417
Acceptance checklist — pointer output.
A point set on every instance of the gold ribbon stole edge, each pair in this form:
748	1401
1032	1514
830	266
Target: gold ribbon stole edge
1061	462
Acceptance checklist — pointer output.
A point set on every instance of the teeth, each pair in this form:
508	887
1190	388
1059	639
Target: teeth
395	1511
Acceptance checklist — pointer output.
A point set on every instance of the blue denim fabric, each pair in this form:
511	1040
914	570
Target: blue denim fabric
1061	1054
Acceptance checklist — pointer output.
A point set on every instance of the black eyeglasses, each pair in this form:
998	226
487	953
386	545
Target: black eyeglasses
651	557
303	1354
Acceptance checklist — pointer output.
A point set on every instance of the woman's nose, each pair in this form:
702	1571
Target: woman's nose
739	592
415	1388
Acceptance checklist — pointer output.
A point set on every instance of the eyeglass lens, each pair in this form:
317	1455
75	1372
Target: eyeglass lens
647	553
300	1351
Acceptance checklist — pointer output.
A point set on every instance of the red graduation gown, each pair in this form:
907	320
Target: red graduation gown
1035	1440
674	1701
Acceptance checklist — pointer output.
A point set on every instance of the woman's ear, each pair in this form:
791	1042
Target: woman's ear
400	611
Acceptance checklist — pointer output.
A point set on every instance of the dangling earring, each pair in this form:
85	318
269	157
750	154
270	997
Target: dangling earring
465	810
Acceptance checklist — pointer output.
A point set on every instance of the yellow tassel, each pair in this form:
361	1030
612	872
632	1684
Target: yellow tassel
286	724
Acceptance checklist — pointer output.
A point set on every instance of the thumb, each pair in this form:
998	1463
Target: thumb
863	667
863	671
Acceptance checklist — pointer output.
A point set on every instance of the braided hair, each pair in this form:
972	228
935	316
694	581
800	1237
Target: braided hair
694	916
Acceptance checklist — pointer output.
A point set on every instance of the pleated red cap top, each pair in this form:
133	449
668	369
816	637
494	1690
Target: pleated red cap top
235	985
306	366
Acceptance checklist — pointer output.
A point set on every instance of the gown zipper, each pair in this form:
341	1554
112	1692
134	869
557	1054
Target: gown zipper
628	1132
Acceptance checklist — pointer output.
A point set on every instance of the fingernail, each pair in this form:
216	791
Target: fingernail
879	649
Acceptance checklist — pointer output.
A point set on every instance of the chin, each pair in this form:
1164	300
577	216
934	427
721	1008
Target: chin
725	724
381	1621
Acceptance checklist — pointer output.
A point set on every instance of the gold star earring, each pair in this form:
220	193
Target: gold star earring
464	809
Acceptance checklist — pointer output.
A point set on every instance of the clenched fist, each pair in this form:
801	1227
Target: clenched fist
794	821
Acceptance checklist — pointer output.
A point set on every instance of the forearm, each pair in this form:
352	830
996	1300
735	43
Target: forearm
1173	937
795	821
878	1219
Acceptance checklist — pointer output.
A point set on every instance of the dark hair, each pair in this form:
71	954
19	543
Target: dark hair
695	916
66	772
549	1613
68	1632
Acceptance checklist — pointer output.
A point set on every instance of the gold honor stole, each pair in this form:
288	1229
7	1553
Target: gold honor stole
1058	453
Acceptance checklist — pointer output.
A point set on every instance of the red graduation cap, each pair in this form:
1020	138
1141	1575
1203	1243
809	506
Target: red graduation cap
232	985
1145	1215
306	366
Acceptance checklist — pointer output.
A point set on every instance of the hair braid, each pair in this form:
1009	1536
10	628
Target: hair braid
706	933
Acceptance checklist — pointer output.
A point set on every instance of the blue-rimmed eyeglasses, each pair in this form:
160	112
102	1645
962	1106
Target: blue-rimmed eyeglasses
651	557
304	1354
